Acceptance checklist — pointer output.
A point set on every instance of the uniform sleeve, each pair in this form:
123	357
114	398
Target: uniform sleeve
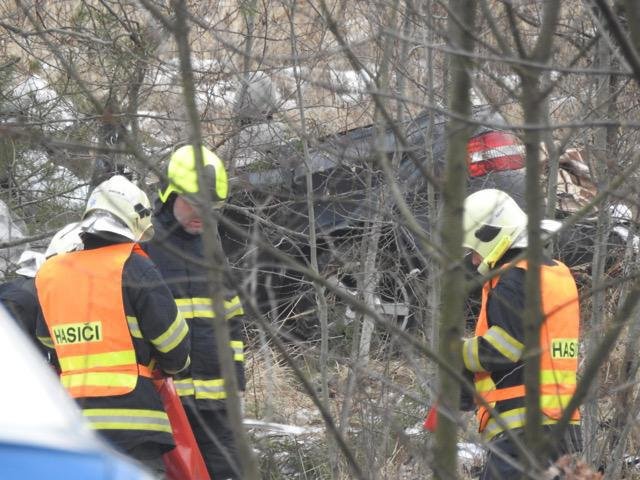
502	345
234	314
42	332
156	315
15	309
44	338
19	299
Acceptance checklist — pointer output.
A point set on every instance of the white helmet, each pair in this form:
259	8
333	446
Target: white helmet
493	222
620	213
118	206
29	262
67	239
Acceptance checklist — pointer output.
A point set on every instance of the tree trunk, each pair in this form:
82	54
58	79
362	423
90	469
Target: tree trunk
451	318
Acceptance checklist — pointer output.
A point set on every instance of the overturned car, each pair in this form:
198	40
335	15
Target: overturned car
363	244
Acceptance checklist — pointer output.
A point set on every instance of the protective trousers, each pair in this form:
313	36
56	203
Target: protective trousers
502	459
215	439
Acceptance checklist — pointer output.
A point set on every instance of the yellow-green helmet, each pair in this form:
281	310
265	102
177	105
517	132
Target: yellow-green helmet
182	174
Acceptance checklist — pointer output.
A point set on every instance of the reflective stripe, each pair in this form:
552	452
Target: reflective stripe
238	350
515	418
134	328
46	341
201	307
127	419
172	336
202	389
567	377
184	386
470	355
233	308
195	307
555	401
210	389
186	364
485	385
508	346
111	359
98	379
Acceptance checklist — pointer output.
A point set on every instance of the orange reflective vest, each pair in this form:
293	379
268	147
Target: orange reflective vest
558	358
80	294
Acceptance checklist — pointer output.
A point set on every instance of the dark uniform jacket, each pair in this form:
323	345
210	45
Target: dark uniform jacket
177	254
19	298
152	317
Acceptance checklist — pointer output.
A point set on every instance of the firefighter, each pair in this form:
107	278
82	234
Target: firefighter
19	295
496	232
177	249
110	318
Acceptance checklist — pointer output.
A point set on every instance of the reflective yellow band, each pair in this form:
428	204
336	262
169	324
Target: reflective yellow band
485	385
238	350
555	401
180	369
189	306
514	419
127	419
134	328
210	389
202	389
559	377
99	379
84	362
184	386
504	343
201	307
470	355
173	335
233	308
46	341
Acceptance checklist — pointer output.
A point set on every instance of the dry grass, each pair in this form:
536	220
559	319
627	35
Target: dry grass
384	425
379	414
273	393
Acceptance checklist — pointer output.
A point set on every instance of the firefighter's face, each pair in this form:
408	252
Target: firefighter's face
187	216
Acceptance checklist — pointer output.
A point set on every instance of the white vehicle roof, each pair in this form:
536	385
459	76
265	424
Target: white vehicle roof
34	407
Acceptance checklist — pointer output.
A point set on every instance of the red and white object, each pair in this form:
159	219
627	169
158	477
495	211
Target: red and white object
494	151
